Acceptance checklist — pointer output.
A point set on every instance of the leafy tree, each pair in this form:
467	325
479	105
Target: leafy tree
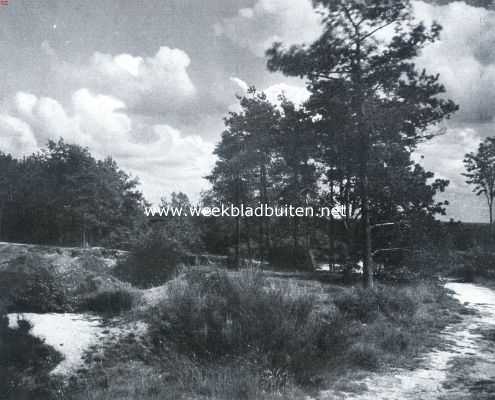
480	167
119	212
181	227
366	90
63	195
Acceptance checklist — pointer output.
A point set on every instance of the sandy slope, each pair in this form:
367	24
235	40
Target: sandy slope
73	335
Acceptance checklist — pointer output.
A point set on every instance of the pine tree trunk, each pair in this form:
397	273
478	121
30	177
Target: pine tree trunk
295	242
368	260
248	240
364	135
261	239
237	256
265	236
331	233
238	242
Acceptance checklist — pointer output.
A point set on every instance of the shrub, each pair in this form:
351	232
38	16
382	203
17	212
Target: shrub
396	303
213	316
184	379
241	336
364	355
419	263
110	302
468	266
480	264
244	379
93	262
290	258
24	363
153	260
359	304
366	305
28	286
393	339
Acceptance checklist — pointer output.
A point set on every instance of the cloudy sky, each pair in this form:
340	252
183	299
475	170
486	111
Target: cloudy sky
149	81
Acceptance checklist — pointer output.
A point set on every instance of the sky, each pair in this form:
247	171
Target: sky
149	82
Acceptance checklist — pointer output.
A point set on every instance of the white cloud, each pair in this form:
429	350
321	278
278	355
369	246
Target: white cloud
16	137
297	94
465	59
464	56
444	155
146	84
246	13
268	21
239	82
163	158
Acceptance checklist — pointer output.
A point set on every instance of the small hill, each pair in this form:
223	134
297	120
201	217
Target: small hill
74	272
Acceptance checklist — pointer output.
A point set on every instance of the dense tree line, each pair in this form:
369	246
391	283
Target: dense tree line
63	195
350	143
264	158
352	140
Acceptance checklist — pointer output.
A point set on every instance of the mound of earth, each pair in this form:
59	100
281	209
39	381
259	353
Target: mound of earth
74	271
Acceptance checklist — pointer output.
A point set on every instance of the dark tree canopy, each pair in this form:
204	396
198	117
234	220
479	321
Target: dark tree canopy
63	195
367	95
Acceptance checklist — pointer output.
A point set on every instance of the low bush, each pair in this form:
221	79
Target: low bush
417	264
481	264
240	335
366	305
214	316
109	302
394	340
24	363
469	266
359	304
29	286
364	355
244	379
290	258
235	380
153	260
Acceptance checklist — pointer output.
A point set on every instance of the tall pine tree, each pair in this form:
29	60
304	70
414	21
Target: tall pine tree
365	88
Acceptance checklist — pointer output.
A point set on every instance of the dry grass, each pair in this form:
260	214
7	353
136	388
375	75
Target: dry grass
234	336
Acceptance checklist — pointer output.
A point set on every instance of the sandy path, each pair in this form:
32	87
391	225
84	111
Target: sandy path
463	369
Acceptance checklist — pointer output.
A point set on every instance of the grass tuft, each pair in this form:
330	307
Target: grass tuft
110	302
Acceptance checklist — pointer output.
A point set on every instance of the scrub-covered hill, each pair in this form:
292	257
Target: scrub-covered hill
31	270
